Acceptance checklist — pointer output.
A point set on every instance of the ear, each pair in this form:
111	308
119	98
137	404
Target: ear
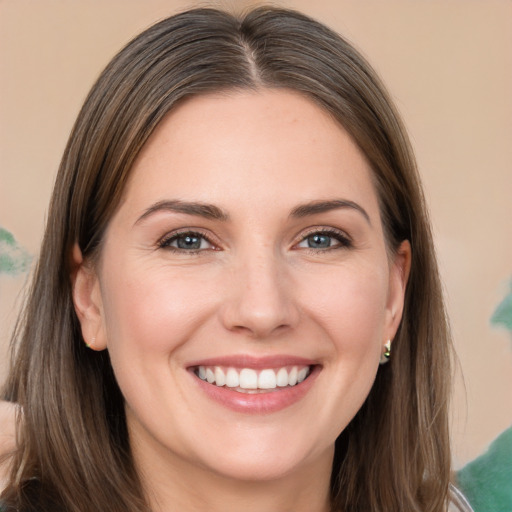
87	301
398	276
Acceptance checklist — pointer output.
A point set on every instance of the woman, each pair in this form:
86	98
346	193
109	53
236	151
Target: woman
237	244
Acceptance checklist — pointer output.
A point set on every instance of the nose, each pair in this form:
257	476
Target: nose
261	302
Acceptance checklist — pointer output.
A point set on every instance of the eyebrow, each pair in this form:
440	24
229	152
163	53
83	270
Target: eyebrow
316	207
208	211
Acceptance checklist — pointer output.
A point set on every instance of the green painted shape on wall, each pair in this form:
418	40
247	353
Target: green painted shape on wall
487	481
14	260
503	314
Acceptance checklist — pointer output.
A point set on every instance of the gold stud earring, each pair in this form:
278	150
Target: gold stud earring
384	358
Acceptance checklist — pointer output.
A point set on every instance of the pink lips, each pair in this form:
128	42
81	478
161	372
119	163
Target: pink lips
262	402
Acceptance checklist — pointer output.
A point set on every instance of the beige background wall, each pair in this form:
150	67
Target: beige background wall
447	63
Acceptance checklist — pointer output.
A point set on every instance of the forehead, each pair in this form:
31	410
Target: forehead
255	148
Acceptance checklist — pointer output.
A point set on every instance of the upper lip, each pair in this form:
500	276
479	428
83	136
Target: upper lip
254	362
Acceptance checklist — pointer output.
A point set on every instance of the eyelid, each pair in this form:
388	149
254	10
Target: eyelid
164	241
345	241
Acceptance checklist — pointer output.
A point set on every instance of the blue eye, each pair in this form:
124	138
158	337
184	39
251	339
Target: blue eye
187	242
319	241
323	240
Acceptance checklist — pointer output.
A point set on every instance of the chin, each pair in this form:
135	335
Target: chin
262	469
266	458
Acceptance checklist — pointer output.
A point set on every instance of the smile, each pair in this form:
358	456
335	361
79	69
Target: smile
255	385
249	380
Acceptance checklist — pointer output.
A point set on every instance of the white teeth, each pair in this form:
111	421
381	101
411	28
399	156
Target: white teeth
249	379
232	378
292	377
267	379
303	373
220	378
210	376
282	378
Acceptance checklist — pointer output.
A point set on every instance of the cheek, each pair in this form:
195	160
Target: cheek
351	307
352	315
151	311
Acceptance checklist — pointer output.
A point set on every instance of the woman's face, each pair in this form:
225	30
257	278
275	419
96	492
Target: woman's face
244	291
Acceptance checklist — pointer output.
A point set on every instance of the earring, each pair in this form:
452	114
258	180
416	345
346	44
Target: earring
384	358
92	343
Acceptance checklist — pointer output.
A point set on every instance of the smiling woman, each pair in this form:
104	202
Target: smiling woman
203	312
237	244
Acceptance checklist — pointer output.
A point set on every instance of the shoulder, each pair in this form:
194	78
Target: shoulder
458	502
7	437
7	425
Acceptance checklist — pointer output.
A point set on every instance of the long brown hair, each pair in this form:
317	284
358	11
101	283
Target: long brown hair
74	452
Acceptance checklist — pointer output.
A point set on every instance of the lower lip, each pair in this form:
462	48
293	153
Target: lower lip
258	403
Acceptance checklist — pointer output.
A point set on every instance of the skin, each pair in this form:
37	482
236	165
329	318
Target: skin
7	437
255	288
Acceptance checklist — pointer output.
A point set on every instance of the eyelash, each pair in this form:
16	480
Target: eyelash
343	240
165	242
